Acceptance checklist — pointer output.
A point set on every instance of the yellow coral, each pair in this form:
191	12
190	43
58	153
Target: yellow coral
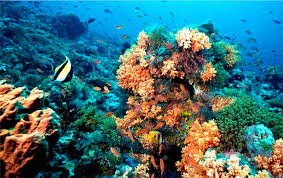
209	73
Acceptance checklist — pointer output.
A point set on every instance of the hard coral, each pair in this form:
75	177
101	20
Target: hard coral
275	162
209	73
25	146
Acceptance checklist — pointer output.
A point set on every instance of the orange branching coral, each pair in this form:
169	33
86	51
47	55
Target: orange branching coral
209	73
199	138
141	170
233	54
199	41
235	169
217	167
184	37
188	38
170	71
135	77
143	40
275	162
212	167
219	103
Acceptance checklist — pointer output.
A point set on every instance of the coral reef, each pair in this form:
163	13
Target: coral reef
198	140
273	163
28	134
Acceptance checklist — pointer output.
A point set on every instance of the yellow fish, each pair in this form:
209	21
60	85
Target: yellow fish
64	72
154	137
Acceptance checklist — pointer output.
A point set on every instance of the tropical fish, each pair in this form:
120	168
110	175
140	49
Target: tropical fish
153	175
96	62
160	149
39	70
276	21
153	162
248	32
64	72
100	41
119	27
159	125
131	136
108	114
154	137
79	80
108	11
142	131
63	92
109	84
243	20
161	166
50	76
124	36
97	88
114	152
106	90
171	13
91	20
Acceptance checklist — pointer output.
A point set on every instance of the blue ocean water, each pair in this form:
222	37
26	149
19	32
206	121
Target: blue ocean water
137	15
141	88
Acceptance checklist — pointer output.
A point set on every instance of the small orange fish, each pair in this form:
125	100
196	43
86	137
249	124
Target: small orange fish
131	136
153	162
160	149
97	88
79	80
109	84
142	131
106	90
50	76
153	102
100	41
153	175
7	79
96	62
161	166
43	60
159	125
119	27
108	114
63	92
195	108
183	89
114	152
39	70
124	36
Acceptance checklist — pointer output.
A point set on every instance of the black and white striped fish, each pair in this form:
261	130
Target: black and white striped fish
64	72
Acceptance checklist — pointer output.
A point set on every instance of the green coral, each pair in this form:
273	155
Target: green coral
233	120
221	76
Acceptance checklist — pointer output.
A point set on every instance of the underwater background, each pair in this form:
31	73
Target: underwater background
141	89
